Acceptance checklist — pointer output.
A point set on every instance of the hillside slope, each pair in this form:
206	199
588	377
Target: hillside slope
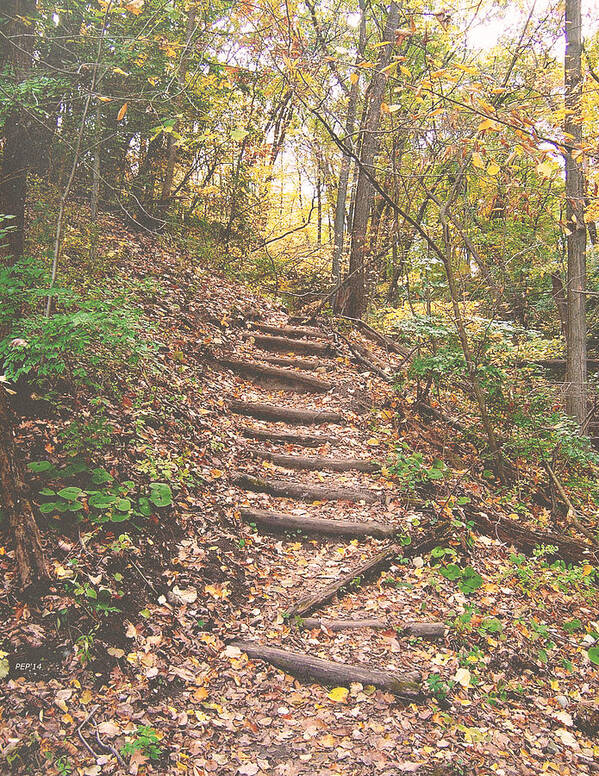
479	647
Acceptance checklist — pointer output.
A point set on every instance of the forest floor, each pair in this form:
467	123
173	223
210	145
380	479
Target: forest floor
137	667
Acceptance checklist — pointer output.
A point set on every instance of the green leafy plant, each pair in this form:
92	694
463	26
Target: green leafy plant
145	741
468	579
411	470
108	501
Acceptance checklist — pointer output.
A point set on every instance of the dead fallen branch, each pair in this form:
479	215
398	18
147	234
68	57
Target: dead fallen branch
365	570
572	515
527	539
316	669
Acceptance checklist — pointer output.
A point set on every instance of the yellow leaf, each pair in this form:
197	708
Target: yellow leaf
135	7
104	99
488	124
339	694
216	473
546	168
86	697
406	71
588	569
493	169
121	113
119	71
477	160
354	78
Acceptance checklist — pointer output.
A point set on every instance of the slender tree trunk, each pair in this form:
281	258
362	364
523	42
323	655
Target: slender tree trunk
29	554
171	149
576	362
350	123
356	299
16	46
95	192
479	395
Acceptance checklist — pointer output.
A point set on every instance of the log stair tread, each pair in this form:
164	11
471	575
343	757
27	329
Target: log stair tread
281	521
314	462
304	491
288	437
277	376
289	331
406	685
295	415
289	345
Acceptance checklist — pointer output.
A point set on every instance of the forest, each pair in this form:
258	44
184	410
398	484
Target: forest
299	387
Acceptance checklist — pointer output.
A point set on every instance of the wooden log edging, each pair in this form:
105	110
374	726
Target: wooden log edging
302	490
405	685
315	462
285	379
299	416
279	521
288	345
301	440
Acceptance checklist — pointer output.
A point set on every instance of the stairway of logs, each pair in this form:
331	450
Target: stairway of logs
285	359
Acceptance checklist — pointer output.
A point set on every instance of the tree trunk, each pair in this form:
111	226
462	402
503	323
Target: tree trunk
25	534
339	224
171	147
356	299
576	373
16	46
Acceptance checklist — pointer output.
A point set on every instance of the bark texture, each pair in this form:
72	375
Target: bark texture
326	671
285	414
576	372
29	553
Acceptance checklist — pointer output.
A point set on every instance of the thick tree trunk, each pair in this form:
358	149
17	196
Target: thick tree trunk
576	373
25	534
16	45
355	304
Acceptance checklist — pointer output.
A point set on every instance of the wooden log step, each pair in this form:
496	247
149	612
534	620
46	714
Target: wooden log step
304	491
301	440
334	626
282	379
299	415
280	521
289	331
296	363
366	569
425	630
406	685
287	345
314	462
